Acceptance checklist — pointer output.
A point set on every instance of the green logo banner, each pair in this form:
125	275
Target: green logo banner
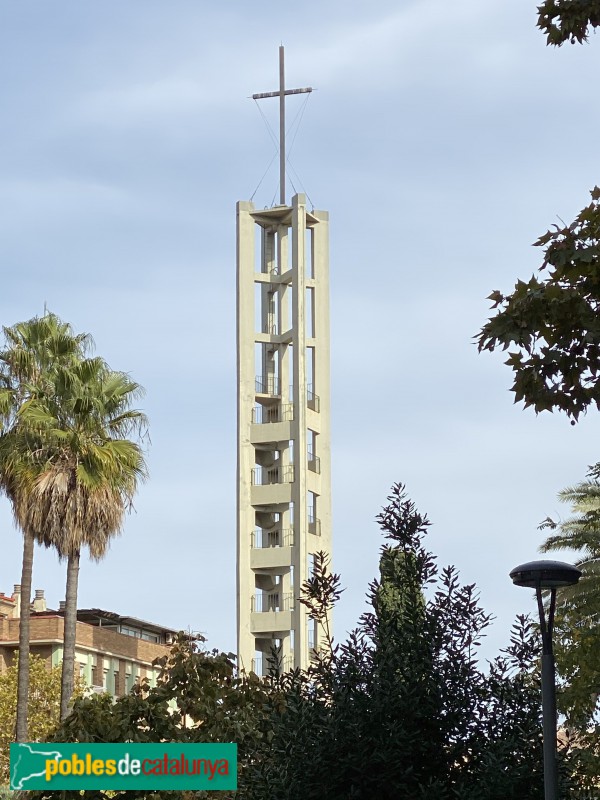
39	765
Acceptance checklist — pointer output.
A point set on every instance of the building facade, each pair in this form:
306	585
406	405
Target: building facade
112	652
283	458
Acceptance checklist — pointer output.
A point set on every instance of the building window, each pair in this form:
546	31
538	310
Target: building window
138	633
129	631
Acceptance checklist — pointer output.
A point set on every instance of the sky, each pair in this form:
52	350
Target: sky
443	139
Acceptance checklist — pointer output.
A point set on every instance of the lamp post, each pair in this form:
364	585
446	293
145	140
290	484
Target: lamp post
550	575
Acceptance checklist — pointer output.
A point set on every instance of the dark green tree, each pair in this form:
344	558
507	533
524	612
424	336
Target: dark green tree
402	709
577	624
198	698
552	325
568	20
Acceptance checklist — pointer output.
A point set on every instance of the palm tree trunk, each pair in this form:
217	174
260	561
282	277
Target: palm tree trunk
70	634
25	614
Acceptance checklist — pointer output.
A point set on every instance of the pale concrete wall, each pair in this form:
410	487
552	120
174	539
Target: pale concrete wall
293	257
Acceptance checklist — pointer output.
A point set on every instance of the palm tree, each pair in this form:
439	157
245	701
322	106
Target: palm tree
581	533
84	474
577	621
33	352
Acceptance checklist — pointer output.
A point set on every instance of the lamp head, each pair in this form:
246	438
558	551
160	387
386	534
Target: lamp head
545	574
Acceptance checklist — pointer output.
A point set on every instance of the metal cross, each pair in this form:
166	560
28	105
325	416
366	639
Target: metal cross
281	95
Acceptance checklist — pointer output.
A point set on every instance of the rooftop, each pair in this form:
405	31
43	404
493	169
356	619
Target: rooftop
98	617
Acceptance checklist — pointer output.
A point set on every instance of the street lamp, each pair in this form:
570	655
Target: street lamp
540	575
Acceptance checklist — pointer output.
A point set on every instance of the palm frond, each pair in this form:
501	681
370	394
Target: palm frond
67	461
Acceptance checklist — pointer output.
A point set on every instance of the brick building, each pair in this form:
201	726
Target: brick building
112	651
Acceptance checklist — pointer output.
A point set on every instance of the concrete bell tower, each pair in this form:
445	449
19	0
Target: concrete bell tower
283	424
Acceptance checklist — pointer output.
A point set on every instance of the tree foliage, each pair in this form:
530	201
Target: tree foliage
82	473
577	627
402	709
65	460
554	323
198	698
44	706
568	20
33	355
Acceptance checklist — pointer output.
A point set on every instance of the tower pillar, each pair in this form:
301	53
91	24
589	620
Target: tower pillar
283	466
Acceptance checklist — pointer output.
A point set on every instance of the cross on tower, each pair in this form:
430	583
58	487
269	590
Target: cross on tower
281	94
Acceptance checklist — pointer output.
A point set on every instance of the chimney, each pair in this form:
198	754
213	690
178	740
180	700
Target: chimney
39	602
61	605
17	599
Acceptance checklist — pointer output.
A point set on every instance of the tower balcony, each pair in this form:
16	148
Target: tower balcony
265	415
267	602
266	665
272	613
261	539
278	493
314	462
313	401
267	385
314	525
271	423
271	549
266	476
